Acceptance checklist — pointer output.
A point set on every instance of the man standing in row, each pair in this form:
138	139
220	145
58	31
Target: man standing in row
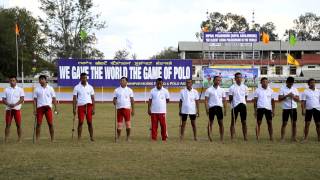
83	100
188	106
13	97
124	102
157	109
238	94
264	106
289	96
215	99
43	98
310	107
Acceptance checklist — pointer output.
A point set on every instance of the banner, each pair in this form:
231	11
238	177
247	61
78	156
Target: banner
231	37
107	73
249	75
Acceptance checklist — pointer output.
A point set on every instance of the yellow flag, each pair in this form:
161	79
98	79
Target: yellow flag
293	61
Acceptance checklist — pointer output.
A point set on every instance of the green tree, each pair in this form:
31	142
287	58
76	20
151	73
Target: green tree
222	23
306	27
30	43
121	54
64	23
268	28
167	53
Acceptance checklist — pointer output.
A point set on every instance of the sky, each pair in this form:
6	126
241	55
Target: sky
145	27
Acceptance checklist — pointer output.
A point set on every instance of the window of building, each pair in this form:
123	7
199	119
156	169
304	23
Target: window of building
311	67
279	70
263	70
293	70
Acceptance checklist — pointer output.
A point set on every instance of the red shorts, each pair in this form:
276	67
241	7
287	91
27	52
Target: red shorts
47	111
13	113
158	118
123	113
85	110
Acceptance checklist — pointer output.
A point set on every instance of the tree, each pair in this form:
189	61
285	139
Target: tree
306	27
222	23
134	56
236	23
30	43
63	24
217	22
121	54
268	28
167	53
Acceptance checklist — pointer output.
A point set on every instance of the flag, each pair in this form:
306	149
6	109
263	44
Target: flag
291	60
83	34
17	30
292	40
265	38
205	28
129	43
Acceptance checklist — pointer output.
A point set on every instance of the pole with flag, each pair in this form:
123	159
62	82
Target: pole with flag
83	36
17	31
291	60
265	40
292	42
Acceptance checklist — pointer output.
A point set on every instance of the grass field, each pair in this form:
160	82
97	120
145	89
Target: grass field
142	159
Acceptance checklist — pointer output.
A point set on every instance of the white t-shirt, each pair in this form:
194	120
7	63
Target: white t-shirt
238	93
83	94
264	97
189	98
123	96
13	95
215	96
312	98
44	95
289	103
159	100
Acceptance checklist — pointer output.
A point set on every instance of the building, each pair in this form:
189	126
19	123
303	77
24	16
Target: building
269	58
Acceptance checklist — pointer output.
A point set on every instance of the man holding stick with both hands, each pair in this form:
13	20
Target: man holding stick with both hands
289	96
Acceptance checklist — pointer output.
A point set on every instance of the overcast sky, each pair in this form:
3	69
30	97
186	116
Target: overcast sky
152	25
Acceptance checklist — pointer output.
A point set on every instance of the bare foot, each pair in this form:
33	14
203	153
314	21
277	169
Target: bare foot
304	141
294	140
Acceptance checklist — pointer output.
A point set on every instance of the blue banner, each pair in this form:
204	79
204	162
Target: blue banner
107	73
231	37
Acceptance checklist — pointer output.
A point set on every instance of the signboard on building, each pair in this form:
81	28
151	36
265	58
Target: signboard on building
249	75
231	37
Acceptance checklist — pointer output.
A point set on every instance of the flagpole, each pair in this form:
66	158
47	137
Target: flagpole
17	50
22	73
81	48
288	47
280	53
